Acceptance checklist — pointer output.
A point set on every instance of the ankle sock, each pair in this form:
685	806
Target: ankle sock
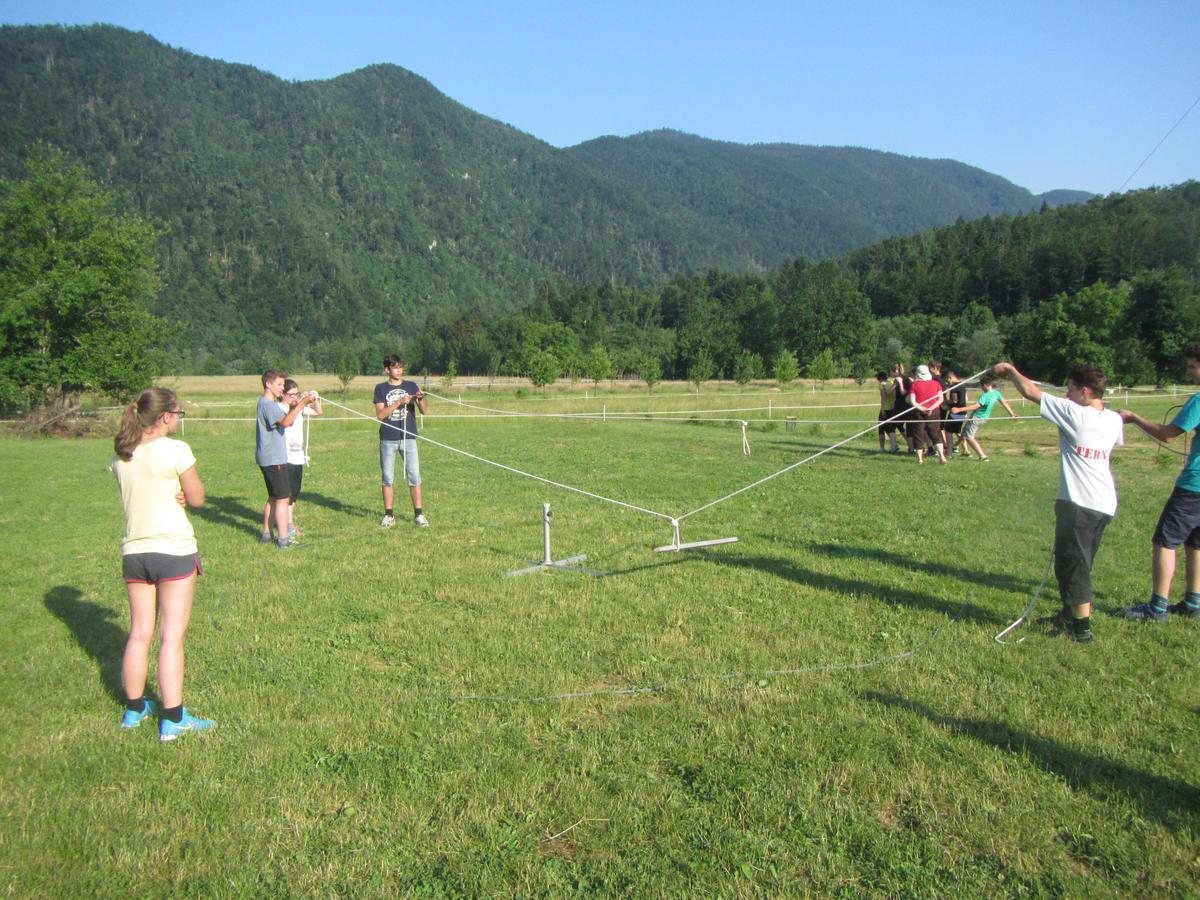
1191	600
173	713
1159	602
417	511
388	511
1082	624
138	705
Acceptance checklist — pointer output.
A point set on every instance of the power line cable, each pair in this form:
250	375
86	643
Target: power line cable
1159	144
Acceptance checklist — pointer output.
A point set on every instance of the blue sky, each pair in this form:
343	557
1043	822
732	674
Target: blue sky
1050	94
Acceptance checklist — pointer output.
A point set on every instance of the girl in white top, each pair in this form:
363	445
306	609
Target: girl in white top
157	477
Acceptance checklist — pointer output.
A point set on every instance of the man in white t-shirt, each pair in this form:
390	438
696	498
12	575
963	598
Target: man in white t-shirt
1087	496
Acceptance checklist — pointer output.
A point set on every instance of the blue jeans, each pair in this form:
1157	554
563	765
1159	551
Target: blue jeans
387	461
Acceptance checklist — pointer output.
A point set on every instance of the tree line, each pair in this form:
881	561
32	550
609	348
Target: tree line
1112	282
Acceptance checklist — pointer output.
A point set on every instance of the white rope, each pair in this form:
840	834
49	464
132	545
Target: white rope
745	440
306	421
565	487
731	676
810	458
1029	608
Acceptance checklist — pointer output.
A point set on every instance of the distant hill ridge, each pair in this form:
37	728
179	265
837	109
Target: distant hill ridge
357	205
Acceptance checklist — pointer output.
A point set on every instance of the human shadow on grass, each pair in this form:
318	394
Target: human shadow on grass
94	631
230	513
1173	802
955	607
994	580
336	505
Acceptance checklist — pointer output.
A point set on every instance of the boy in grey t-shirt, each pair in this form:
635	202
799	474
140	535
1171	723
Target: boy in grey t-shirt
270	450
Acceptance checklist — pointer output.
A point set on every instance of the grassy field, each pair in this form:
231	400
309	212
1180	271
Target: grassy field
350	758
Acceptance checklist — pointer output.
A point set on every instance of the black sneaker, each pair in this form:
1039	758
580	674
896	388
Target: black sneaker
1081	637
1057	623
1182	609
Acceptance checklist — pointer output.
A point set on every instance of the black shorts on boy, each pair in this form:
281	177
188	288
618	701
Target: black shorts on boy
278	484
1077	533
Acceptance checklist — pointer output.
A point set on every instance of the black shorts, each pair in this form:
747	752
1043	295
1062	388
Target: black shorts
295	478
278	486
152	568
953	422
1077	533
1180	521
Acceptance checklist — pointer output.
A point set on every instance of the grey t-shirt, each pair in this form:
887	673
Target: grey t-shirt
270	443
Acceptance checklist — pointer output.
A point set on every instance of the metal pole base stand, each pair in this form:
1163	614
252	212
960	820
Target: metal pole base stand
548	563
675	546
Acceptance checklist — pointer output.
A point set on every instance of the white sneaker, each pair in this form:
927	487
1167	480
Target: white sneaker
421	521
387	522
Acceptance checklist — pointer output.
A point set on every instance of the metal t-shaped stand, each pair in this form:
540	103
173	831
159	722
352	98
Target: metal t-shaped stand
675	546
548	562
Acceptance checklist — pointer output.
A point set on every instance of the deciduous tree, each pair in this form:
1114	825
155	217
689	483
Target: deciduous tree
76	278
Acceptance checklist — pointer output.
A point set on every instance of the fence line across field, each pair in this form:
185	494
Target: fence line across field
706	414
674	520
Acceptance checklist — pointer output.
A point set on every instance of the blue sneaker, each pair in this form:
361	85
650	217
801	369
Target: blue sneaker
168	730
133	719
1144	612
265	538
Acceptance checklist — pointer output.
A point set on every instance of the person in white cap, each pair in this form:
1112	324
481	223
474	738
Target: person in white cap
926	400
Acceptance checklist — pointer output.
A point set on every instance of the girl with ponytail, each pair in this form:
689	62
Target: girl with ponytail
157	477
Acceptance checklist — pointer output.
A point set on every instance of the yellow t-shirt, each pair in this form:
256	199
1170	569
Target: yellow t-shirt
154	522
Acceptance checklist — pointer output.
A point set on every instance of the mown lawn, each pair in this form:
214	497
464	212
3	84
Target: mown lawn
350	760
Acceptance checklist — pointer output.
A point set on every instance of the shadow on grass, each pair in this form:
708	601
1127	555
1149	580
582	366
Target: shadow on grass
782	568
230	513
812	445
94	631
336	505
1172	802
996	580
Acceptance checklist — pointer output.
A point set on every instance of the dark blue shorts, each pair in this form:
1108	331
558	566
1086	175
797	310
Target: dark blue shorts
1180	521
152	568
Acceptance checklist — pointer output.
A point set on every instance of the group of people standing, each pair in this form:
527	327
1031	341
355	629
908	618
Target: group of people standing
158	479
931	413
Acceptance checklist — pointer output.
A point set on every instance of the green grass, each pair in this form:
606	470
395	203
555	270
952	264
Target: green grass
346	764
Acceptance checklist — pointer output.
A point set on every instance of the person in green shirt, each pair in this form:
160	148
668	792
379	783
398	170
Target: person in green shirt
981	411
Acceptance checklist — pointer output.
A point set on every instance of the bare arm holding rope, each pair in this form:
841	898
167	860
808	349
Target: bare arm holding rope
1160	431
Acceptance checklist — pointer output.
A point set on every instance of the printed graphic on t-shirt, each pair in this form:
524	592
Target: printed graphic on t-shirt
400	416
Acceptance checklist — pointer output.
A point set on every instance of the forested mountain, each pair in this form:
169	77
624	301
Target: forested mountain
293	212
1112	283
807	201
